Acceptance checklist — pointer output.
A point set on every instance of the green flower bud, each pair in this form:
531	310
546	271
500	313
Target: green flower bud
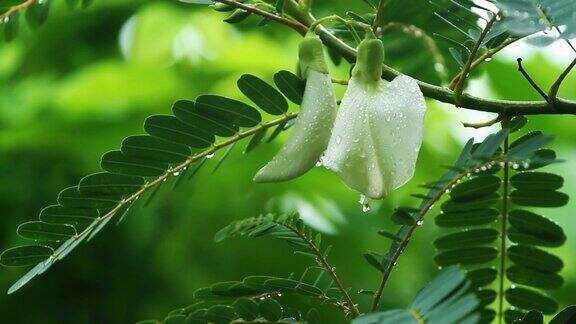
369	61
311	132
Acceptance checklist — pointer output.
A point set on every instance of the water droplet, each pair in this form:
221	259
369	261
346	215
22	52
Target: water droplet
488	59
338	139
209	156
177	173
420	222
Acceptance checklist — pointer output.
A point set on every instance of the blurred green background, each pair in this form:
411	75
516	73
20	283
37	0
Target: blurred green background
77	86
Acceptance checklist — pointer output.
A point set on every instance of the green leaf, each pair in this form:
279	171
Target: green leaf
255	140
532	317
475	188
517	123
469	218
467	238
116	162
539	198
536	181
534	229
72	198
486	296
526	146
220	314
389	235
25	255
530	299
37	14
279	7
171	129
175	319
237	16
534	258
566	316
466	256
534	278
482	277
233	111
270	309
105	183
290	85
373	261
487	201
152	148
187	112
79	218
262	94
40	231
246	308
402	217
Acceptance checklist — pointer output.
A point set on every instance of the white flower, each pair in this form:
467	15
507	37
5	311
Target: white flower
311	132
378	130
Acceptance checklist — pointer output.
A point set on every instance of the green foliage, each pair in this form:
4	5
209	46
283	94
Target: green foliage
528	17
260	299
143	163
446	299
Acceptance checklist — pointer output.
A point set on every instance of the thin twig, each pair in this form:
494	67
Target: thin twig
351	306
553	93
484	124
378	18
532	83
484	57
418	33
471	58
300	28
14	9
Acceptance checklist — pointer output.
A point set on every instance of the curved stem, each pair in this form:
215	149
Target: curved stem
459	87
15	9
418	220
350	305
484	57
503	233
378	18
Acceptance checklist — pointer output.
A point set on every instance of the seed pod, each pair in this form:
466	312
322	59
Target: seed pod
311	132
378	130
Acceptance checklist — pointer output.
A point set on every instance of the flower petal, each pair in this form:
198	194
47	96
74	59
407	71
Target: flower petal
310	135
377	135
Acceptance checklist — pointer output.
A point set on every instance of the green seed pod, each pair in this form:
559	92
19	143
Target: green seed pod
313	126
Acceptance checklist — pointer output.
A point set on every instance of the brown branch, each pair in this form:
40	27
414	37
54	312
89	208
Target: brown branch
15	9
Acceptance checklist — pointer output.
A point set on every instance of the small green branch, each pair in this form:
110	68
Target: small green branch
351	308
378	18
484	124
486	56
418	220
459	87
531	81
503	231
179	169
